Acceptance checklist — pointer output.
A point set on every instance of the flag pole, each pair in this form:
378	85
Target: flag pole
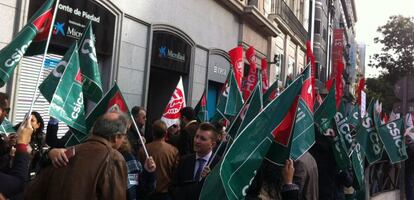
139	135
44	56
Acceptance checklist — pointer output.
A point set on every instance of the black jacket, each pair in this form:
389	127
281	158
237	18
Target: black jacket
183	187
13	181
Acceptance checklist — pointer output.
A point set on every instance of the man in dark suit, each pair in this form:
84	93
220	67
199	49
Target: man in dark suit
193	168
189	127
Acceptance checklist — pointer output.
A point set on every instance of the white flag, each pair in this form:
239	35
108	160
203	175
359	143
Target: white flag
172	110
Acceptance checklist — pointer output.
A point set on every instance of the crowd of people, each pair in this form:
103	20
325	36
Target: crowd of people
112	163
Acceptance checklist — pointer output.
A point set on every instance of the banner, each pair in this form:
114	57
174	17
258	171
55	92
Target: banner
177	102
92	84
67	102
236	57
48	86
337	49
252	78
12	54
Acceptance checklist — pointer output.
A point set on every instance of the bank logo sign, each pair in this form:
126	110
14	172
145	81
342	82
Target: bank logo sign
73	29
59	29
164	52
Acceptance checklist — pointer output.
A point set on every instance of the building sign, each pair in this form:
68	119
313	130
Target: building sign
71	20
170	52
337	49
218	68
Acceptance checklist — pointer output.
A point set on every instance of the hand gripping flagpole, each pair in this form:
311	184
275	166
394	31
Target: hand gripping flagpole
44	57
139	135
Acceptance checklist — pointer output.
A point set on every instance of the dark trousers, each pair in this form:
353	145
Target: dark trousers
409	187
160	196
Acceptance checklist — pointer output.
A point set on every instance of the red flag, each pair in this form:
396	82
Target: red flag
236	57
117	103
339	84
251	80
311	58
307	93
329	83
283	132
361	86
265	78
42	24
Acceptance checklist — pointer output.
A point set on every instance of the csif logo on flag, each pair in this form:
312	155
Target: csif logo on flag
59	69
88	47
117	104
78	77
17	55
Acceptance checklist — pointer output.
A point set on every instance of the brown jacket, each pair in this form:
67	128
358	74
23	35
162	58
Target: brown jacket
97	171
306	177
166	158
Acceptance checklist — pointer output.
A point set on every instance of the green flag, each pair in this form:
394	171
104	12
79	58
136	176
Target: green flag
296	134
213	186
354	117
67	102
230	101
92	85
6	127
248	150
343	127
201	109
113	101
304	130
12	54
250	109
271	93
339	147
368	137
392	136
358	168
48	86
326	111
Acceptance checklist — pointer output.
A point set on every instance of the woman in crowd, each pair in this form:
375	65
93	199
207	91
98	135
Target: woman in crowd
38	141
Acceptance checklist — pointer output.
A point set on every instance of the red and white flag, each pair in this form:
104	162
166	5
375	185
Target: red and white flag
172	111
252	76
236	57
265	78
